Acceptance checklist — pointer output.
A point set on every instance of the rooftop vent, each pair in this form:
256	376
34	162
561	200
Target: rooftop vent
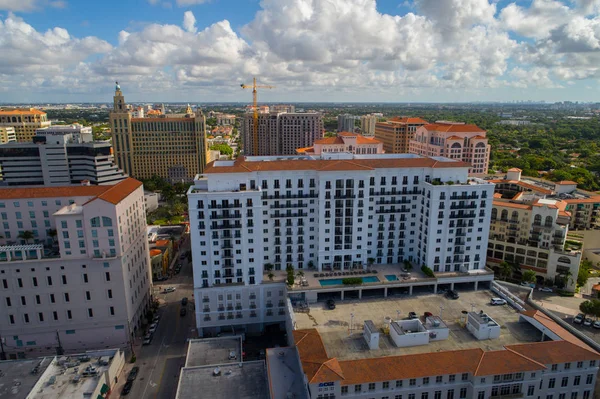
216	372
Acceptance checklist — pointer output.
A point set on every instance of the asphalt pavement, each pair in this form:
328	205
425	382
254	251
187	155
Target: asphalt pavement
161	361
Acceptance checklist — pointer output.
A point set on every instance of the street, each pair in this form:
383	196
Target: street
160	362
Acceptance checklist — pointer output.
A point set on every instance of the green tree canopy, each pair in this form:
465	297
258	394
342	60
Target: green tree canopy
223	148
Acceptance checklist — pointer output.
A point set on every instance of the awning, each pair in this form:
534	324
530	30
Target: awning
104	389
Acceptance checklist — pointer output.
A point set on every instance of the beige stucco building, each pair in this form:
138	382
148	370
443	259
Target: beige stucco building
352	143
170	146
24	121
7	134
397	132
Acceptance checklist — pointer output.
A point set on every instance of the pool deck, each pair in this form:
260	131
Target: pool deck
309	285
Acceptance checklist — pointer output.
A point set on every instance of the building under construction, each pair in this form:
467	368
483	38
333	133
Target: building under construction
281	133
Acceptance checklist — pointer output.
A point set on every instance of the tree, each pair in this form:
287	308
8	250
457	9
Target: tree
26	235
271	275
52	234
506	270
222	148
528	276
590	307
584	272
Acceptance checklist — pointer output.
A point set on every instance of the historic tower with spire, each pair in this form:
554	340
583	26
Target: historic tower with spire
120	125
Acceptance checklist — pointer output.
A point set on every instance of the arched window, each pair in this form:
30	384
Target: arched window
106	221
564	259
494	213
95	222
504	215
480	144
537	220
515	215
455	145
549	221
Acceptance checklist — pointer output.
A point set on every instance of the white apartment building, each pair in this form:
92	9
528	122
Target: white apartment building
59	156
332	213
84	277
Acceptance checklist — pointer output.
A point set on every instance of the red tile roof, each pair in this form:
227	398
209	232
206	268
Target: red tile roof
591	200
448	127
566	182
510	205
118	192
555	328
22	112
551	352
408	121
242	166
515	170
505	362
330	140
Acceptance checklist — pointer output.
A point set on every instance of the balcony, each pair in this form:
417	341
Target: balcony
508	396
226	226
284	206
463	197
226	206
289	215
392	202
393	210
464	206
226	216
275	197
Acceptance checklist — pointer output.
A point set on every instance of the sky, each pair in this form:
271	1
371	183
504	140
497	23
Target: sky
310	50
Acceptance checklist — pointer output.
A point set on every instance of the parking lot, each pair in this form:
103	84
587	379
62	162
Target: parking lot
341	328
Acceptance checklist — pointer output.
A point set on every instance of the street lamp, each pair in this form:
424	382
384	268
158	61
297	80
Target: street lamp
441	311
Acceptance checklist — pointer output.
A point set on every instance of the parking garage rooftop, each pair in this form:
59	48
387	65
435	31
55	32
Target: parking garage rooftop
341	328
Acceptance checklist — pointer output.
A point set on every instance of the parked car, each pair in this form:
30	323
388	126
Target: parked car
330	304
412	315
497	302
587	322
182	312
168	290
596	324
127	388
184	301
133	373
452	294
545	289
148	340
527	284
156	318
183	256
148	336
152	328
578	319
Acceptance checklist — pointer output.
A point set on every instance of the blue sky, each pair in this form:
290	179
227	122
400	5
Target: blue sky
312	50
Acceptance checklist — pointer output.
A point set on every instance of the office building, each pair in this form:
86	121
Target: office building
367	125
74	266
396	133
281	133
347	122
282	108
24	121
59	156
453	140
7	134
171	146
353	143
332	213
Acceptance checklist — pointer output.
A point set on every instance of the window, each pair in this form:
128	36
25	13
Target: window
450	394
577	380
412	382
95	222
112	310
106	221
344	390
371	386
399	384
358	388
55	315
107	276
463	393
425	380
465	376
66	297
554	367
579	365
8	302
451	378
11	318
88	296
64	279
481	395
26	318
90	312
41	317
34	281
23	301
530	390
69	315
438	379
425	395
551	383
567	366
564	382
85	278
109	294
63	224
589	379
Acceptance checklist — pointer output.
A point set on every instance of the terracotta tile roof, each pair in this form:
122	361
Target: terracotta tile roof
330	140
49	192
408	121
118	192
510	205
305	150
505	362
154	252
591	200
532	187
21	112
552	352
391	368
566	182
317	366
515	170
454	138
443	127
242	166
555	327
162	243
478	138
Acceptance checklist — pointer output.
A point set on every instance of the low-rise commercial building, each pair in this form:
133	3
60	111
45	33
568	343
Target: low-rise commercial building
7	134
74	266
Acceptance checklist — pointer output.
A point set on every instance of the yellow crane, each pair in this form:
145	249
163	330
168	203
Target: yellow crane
254	86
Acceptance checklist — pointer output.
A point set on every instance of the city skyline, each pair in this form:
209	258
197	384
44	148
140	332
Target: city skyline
322	50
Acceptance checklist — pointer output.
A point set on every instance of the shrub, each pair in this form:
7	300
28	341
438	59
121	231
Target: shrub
565	293
427	271
449	182
352	281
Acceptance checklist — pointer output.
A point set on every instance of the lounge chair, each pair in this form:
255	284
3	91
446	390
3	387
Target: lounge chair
316	275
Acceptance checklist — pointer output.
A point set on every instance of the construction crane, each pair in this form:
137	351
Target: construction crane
254	86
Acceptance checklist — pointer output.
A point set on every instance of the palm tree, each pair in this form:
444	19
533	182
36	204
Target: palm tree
567	276
506	270
26	235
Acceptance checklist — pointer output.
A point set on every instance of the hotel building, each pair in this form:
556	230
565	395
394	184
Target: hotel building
59	156
397	132
453	140
74	266
353	143
24	121
170	146
281	133
332	213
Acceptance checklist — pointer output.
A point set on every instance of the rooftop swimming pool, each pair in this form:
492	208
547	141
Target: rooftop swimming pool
338	281
391	277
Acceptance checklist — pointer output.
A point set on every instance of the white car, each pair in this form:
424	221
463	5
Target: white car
587	322
545	289
168	289
497	301
152	328
596	324
147	341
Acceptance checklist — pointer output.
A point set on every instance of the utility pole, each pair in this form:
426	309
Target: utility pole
59	350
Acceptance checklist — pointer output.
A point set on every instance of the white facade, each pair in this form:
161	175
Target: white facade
151	201
7	134
91	286
335	214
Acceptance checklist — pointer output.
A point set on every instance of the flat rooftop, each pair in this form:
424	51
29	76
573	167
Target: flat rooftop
64	385
17	379
246	382
285	373
208	351
345	344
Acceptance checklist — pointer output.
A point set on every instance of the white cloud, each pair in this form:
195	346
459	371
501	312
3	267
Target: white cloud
184	3
189	22
30	5
323	47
